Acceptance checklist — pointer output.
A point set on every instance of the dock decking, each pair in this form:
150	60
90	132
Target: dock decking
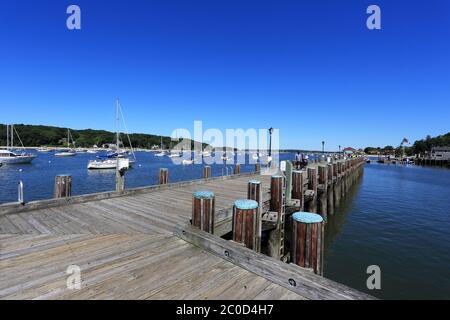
130	247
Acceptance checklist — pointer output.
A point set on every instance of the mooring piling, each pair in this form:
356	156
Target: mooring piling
163	176
298	188
254	192
206	172
203	210
244	222
277	206
63	186
308	241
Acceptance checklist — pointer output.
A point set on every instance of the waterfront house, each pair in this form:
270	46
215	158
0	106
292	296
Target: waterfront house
440	153
349	151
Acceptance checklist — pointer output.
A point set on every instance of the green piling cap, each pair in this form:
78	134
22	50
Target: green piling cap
245	204
203	195
163	169
277	176
254	181
307	217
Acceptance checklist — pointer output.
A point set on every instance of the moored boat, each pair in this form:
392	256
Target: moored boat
110	161
67	152
10	157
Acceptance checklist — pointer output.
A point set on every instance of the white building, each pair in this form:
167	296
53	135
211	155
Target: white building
440	153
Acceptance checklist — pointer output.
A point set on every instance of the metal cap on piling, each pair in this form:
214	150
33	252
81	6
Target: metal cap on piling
203	210
308	241
244	225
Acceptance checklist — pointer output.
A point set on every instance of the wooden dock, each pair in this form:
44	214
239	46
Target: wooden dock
140	245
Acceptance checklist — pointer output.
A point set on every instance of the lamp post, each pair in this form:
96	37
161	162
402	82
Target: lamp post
339	148
270	141
323	146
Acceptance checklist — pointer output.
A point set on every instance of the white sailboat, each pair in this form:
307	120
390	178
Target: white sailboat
8	156
44	149
174	153
206	154
69	152
112	161
162	153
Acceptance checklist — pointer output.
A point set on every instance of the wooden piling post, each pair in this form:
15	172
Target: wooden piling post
203	210
237	169
276	193
313	186
206	172
297	187
257	167
322	198
276	237
244	222
323	176
163	176
330	173
308	241
63	186
254	192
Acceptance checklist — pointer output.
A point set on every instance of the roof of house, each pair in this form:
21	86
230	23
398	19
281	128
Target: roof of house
440	148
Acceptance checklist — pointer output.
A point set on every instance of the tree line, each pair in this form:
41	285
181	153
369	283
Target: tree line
418	147
39	135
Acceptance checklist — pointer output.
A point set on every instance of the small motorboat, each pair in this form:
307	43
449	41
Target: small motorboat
66	153
174	154
106	164
187	161
160	154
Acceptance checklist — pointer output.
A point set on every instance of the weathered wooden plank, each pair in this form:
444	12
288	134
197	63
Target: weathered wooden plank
306	283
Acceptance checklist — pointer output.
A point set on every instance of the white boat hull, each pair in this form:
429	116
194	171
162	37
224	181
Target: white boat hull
65	154
17	159
104	164
187	162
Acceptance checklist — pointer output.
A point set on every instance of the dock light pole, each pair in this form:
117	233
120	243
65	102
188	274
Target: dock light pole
323	146
339	148
270	141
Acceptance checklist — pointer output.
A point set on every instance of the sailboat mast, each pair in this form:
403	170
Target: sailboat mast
7	136
117	125
68	138
12	136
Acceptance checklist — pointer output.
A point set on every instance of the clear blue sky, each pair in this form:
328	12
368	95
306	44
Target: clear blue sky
310	68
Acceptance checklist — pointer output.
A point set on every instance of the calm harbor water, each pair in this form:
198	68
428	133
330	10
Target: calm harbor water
38	177
396	217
